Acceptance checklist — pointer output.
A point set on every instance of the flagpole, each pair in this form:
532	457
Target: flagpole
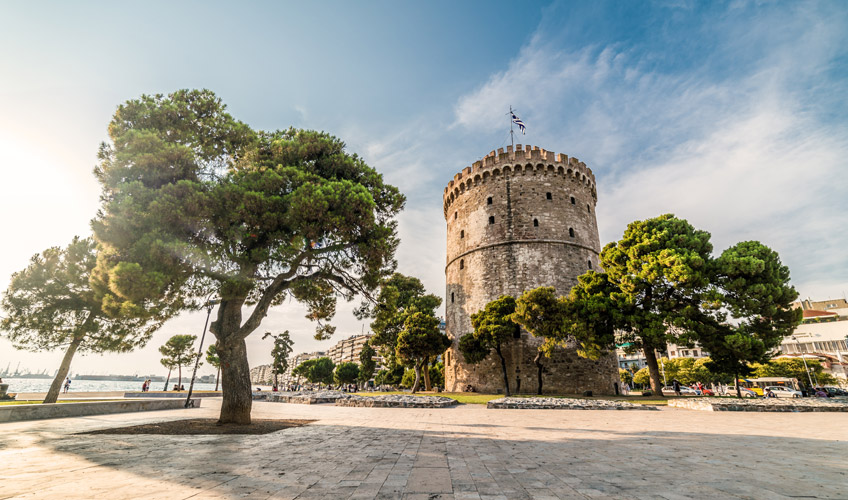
511	133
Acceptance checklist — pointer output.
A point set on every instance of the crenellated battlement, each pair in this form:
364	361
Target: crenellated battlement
521	159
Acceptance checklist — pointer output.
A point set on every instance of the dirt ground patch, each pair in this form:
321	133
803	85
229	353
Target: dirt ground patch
204	426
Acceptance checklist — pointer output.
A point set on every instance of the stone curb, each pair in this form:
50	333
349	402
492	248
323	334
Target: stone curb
562	404
16	413
763	405
397	401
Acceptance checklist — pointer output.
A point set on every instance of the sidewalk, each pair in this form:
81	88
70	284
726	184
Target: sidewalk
467	452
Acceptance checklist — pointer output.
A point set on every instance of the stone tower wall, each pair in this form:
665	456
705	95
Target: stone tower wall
517	220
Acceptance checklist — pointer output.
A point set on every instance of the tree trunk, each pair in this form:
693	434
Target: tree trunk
217	378
235	382
180	377
64	368
167	379
538	362
503	369
653	370
417	377
736	383
427	385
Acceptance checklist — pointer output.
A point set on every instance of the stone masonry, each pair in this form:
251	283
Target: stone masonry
517	220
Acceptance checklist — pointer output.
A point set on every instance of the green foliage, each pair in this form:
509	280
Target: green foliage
195	201
625	376
493	327
408	379
419	340
400	296
316	371
212	356
437	374
391	376
794	368
659	272
50	304
642	377
591	315
280	352
346	373
367	365
178	351
541	313
473	349
752	286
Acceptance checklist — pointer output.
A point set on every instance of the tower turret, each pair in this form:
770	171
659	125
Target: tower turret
516	220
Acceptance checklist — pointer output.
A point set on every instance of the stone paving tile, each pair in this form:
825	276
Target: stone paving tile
366	453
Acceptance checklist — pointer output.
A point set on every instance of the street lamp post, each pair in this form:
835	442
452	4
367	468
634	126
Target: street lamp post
209	305
806	369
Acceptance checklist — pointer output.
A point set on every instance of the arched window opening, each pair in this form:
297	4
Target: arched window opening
549	196
573	201
491	219
489	200
517	333
461	264
535	222
571	232
454	215
589	263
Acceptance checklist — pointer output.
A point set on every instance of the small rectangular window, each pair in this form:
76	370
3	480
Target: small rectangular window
491	219
573	201
489	200
549	196
462	234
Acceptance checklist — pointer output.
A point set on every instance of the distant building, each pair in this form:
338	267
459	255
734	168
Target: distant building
825	341
830	307
679	351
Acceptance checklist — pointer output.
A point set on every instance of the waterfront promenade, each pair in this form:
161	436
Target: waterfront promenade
466	452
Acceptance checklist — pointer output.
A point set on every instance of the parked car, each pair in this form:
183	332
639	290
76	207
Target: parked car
685	391
730	390
835	391
784	392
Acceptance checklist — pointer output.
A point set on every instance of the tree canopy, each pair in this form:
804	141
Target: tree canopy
280	352
419	340
399	296
367	365
316	371
51	305
177	352
751	287
346	373
195	201
493	327
659	273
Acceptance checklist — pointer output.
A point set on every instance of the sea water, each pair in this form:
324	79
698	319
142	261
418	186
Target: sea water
43	384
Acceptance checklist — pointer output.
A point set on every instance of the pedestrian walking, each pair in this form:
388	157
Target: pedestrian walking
676	386
67	384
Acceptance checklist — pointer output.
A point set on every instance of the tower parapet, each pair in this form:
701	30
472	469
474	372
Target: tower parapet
531	159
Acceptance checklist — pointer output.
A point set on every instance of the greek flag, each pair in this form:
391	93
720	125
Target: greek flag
516	120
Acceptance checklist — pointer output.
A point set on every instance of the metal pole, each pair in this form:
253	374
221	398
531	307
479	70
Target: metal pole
807	369
209	304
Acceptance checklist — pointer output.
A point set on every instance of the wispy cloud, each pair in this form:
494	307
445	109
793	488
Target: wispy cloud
744	145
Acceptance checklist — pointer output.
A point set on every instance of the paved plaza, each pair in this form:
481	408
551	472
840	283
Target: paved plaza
465	452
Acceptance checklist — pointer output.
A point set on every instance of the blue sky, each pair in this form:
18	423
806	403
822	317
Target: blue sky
730	114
